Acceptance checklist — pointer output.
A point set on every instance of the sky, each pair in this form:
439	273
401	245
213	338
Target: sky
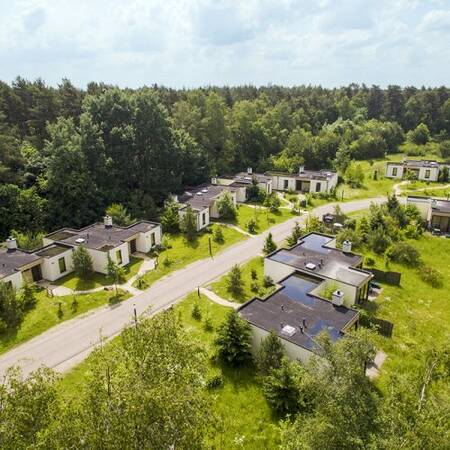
190	43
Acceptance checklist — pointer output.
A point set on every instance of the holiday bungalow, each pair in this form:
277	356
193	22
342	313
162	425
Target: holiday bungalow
425	170
434	212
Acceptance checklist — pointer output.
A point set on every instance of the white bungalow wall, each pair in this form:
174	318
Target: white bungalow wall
16	280
390	171
50	266
276	270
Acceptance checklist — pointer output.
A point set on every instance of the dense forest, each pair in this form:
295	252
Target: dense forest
66	154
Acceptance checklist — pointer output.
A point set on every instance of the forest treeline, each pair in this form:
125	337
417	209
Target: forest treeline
66	154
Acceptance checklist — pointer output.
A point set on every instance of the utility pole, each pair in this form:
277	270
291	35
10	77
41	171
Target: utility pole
135	316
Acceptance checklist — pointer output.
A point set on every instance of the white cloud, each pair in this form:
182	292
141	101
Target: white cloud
198	42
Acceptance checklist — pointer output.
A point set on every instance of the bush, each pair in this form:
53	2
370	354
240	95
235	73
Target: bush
268	282
214	381
3	326
196	311
404	253
254	274
270	354
82	263
254	287
167	262
378	241
420	135
370	262
235	285
166	242
251	226
208	324
269	244
218	235
431	276
28	298
225	206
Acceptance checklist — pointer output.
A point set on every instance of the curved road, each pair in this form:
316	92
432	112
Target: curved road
64	346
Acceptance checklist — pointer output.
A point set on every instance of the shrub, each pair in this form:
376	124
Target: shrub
251	226
167	262
270	354
254	274
268	282
27	295
378	241
208	325
170	219
3	326
196	311
413	231
254	286
166	242
188	223
82	263
214	381
420	135
272	202
431	276
296	233
370	262
235	285
404	253
225	206
218	235
269	244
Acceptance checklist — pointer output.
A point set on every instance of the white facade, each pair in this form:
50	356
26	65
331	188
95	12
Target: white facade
293	351
398	171
394	171
288	182
214	212
50	266
202	217
15	279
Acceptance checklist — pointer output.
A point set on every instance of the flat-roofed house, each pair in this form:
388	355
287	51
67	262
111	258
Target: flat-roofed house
297	315
425	170
243	180
202	199
434	211
54	260
316	255
306	181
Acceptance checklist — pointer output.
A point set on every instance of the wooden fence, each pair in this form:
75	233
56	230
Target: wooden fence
385	276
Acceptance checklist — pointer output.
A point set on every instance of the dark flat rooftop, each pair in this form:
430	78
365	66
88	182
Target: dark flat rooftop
52	250
202	196
329	262
98	236
438	205
12	260
415	163
292	304
307	174
246	178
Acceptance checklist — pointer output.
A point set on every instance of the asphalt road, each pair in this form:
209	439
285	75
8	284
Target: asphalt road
64	346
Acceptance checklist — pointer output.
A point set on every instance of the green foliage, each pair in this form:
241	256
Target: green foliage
235	284
354	175
269	244
225	206
82	263
280	387
404	253
270	354
254	274
188	223
347	234
420	135
296	233
370	262
27	295
214	381
11	308
268	281
272	202
218	235
114	273
28	240
444	149
234	340
431	276
119	214
378	241
444	174
251	226
196	311
170	219
313	224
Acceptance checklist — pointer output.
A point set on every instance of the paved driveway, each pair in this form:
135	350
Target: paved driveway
64	346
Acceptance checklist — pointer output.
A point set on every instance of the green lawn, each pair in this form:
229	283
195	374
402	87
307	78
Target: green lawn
183	252
46	314
264	218
72	281
420	313
220	287
245	418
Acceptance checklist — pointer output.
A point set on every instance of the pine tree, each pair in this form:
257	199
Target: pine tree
235	284
296	233
234	340
114	273
270	354
188	223
170	219
269	244
82	263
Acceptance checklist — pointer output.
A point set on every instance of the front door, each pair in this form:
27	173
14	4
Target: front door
36	273
133	246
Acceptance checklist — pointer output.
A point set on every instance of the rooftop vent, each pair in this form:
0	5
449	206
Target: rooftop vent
433	203
347	246
11	243
213	180
288	330
204	190
199	193
107	220
79	240
301	169
188	194
310	266
337	298
249	170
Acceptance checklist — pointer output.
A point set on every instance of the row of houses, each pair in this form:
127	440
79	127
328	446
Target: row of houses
300	309
202	199
54	260
424	170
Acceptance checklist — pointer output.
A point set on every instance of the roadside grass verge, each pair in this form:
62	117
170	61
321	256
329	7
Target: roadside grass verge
220	287
238	407
75	283
51	311
182	252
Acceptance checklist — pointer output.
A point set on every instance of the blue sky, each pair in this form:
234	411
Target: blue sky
199	42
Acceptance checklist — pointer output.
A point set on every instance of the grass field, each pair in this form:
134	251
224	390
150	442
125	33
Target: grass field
47	314
245	418
183	253
420	313
220	287
264	218
71	281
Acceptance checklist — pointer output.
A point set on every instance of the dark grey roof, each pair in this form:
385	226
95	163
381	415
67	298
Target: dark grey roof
329	262
306	174
12	260
204	195
246	178
52	250
292	304
100	237
438	205
415	163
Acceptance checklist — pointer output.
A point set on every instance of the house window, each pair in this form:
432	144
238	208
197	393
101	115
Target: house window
62	265
286	184
152	239
394	172
427	173
318	187
204	219
119	256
